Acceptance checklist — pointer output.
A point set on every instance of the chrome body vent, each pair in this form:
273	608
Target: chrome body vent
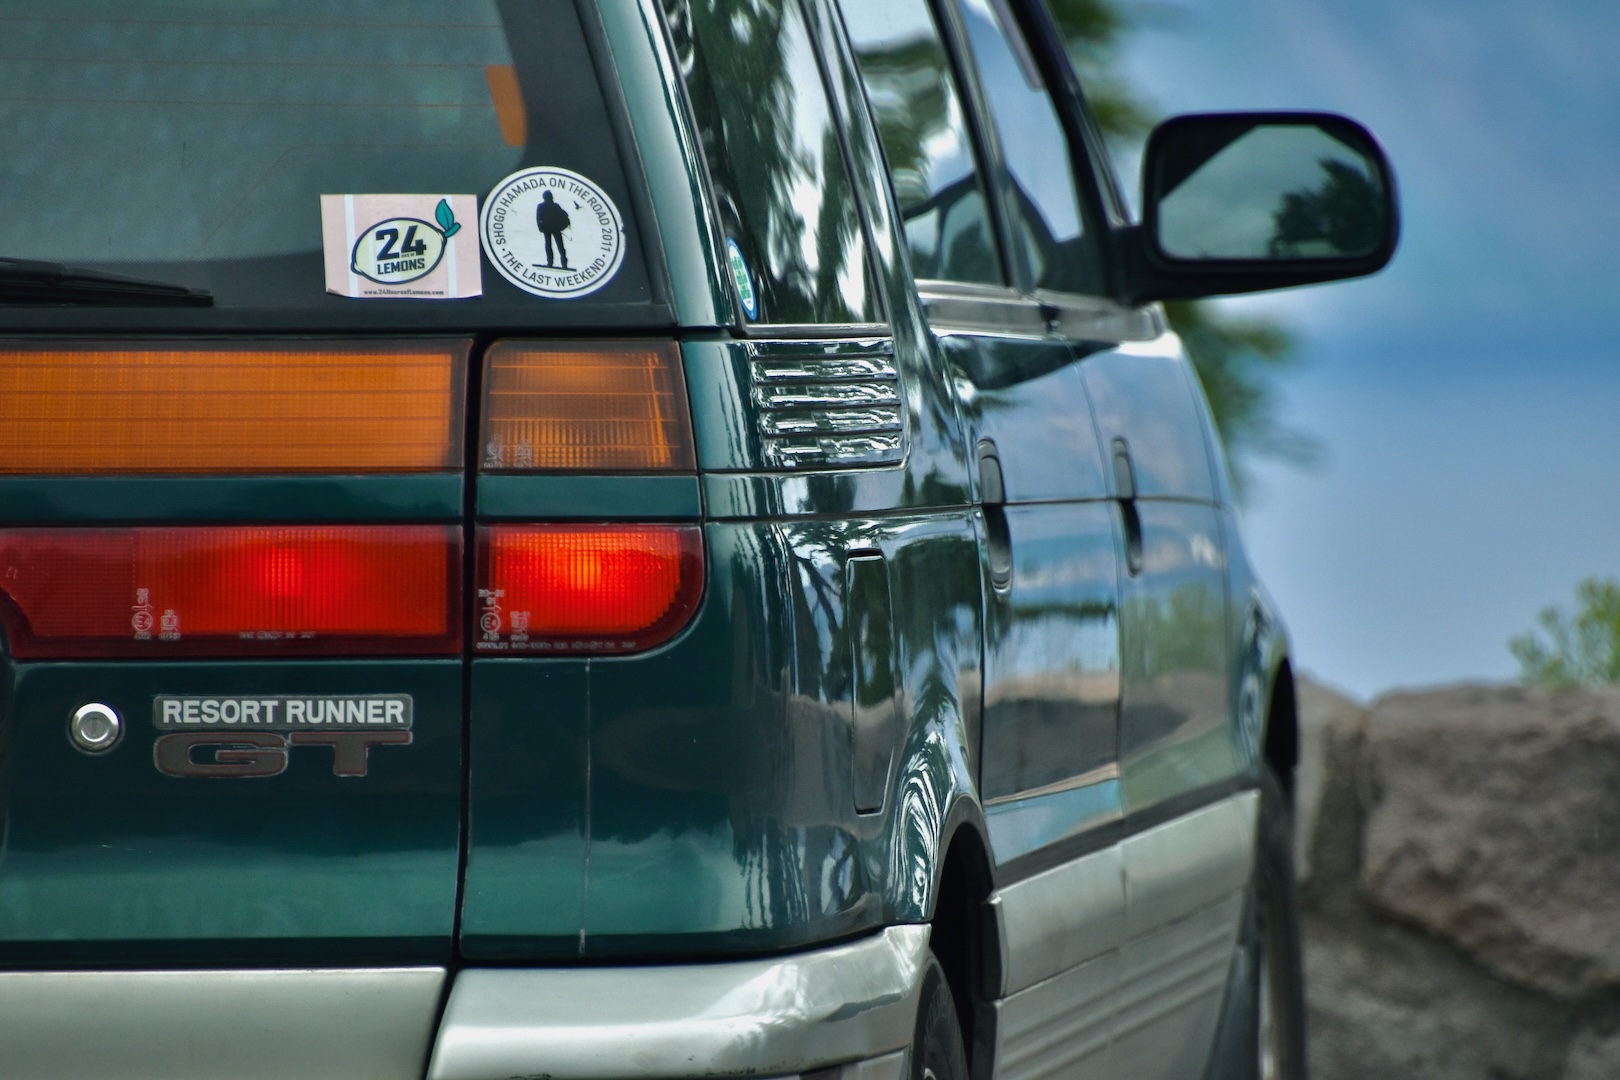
831	406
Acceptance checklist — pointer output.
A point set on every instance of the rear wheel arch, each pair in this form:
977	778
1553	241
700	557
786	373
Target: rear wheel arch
1280	745
1267	704
964	937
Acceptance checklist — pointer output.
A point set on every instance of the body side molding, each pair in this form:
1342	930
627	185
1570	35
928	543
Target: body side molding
1060	918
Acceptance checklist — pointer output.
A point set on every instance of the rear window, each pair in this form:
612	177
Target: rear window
191	142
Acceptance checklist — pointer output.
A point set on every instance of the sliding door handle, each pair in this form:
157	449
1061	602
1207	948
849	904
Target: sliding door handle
1125	492
998	535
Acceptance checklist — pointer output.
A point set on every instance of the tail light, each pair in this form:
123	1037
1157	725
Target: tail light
209	408
585	588
585	407
231	591
199	408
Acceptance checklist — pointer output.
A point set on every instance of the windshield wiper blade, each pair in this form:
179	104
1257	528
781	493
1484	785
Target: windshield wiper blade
25	281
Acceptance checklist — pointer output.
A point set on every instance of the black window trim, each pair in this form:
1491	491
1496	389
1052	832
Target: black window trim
957	307
986	145
980	165
1040	37
1101	202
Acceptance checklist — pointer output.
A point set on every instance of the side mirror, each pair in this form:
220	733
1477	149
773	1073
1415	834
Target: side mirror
1243	202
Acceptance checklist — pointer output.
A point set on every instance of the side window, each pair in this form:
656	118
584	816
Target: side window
909	82
1048	226
775	160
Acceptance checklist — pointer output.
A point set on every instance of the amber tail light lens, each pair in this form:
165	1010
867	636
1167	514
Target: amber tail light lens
585	407
231	591
585	588
207	408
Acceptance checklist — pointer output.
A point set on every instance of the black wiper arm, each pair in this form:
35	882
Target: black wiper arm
25	281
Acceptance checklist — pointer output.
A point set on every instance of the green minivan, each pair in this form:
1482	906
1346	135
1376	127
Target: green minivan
608	539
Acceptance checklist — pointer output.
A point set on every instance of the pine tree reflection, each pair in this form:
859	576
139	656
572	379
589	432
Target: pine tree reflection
1345	216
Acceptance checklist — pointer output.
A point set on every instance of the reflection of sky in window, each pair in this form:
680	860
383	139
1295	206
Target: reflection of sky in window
1032	140
948	159
810	118
1224	209
895	27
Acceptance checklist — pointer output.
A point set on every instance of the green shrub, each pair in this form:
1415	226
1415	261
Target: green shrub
1583	650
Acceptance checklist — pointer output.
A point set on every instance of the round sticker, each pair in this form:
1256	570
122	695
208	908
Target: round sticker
398	250
552	232
745	282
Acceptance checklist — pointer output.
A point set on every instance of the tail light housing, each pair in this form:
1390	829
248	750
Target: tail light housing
232	591
196	407
190	407
597	407
585	588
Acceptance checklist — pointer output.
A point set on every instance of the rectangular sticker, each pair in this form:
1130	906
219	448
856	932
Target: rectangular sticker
417	247
277	712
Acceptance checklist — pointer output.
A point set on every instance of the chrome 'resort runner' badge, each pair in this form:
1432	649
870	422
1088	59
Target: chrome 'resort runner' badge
254	736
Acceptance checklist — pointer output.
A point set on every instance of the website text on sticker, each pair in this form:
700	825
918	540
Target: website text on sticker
552	232
409	246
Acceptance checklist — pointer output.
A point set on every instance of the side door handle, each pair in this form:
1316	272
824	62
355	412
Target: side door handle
998	535
1125	492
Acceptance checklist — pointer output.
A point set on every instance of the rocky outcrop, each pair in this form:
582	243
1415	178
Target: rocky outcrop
1493	820
1460	878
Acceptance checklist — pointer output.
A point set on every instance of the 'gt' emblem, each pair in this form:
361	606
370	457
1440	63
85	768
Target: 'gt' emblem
264	753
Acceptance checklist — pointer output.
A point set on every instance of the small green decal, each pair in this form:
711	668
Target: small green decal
744	280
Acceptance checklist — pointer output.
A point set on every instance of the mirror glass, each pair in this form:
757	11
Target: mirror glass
1267	191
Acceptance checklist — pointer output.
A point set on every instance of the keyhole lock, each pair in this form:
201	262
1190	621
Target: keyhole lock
95	728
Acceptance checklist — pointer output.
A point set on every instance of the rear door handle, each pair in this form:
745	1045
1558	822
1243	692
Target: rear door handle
998	534
1125	492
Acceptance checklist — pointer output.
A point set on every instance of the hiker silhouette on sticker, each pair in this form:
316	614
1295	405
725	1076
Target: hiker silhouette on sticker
553	222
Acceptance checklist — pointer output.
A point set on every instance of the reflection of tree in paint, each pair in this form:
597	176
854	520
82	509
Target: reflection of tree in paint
920	123
1342	217
1180	630
774	156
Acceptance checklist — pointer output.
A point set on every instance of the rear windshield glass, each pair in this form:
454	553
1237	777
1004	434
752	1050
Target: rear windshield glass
190	142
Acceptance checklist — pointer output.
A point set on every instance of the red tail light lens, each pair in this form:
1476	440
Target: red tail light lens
585	588
257	590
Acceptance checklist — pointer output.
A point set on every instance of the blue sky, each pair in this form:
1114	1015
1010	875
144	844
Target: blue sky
1469	396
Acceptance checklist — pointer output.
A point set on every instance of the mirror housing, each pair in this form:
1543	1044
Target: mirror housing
1245	202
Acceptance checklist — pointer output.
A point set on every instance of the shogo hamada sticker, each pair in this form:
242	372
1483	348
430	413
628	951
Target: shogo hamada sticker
552	232
409	246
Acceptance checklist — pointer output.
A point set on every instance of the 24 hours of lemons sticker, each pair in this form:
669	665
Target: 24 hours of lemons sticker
552	232
400	245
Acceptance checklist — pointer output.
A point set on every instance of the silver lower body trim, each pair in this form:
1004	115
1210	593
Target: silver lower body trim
770	1017
367	1024
1116	963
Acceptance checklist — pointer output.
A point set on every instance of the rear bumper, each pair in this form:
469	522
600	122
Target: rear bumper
851	1005
774	1017
374	1023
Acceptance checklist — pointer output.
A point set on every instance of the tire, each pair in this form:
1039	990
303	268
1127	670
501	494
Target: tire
1280	991
936	1045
